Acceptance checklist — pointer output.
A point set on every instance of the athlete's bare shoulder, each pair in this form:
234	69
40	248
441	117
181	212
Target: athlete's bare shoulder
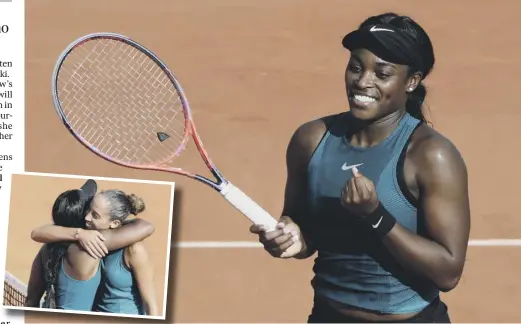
308	135
136	248
430	150
135	252
76	256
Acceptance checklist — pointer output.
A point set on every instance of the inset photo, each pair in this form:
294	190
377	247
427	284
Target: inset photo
87	245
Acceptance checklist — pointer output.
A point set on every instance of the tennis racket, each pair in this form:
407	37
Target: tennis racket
124	104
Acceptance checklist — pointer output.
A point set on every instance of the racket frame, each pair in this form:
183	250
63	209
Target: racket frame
190	129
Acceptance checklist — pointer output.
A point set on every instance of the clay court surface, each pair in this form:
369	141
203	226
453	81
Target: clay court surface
256	70
32	198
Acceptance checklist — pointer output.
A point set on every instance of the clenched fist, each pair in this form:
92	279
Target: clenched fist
359	194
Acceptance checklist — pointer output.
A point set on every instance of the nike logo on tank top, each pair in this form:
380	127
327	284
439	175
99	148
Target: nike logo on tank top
352	266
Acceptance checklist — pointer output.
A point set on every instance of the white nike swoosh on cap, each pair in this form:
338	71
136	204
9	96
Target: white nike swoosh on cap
346	167
374	28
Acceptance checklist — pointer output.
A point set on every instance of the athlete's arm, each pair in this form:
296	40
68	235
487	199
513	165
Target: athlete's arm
36	286
300	149
96	243
143	271
280	242
50	233
90	241
443	195
133	231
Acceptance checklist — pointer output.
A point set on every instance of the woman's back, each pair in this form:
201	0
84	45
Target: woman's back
79	264
78	279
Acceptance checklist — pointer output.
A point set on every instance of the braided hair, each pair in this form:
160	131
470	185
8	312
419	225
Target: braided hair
69	210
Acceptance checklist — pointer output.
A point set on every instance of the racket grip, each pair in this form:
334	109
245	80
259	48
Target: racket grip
255	213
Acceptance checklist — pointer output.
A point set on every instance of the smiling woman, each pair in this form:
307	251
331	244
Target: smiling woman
379	194
405	57
111	273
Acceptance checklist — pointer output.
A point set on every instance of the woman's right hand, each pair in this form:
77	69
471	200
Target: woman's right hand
285	241
92	242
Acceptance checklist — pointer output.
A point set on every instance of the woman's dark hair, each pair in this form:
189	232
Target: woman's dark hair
424	46
69	210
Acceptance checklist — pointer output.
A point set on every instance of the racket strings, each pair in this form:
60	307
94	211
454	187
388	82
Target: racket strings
121	102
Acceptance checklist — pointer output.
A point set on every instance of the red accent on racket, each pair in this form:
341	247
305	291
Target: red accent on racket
123	103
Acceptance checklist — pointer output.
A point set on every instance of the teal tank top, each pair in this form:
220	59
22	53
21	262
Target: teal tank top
74	294
118	290
352	266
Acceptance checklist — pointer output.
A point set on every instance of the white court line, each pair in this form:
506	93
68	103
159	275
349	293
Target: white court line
217	245
495	242
251	244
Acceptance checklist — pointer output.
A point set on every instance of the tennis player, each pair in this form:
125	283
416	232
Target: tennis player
128	286
378	193
70	274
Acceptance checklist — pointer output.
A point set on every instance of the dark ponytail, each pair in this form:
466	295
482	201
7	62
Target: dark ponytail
414	105
69	210
54	253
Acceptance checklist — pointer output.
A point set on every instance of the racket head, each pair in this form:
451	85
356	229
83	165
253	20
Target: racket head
81	84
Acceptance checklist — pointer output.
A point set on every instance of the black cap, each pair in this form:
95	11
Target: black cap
89	189
363	35
385	41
